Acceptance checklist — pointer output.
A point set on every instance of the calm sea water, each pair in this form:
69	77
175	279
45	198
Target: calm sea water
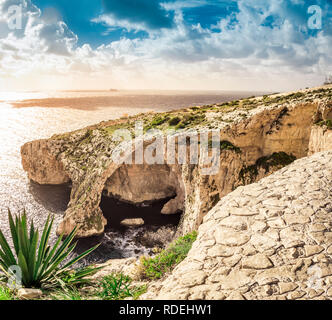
34	115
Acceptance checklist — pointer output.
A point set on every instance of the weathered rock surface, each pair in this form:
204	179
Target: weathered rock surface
259	128
41	165
320	140
29	294
132	222
148	183
268	240
321	135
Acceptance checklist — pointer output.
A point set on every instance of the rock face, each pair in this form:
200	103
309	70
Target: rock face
320	140
321	135
147	183
268	240
29	294
265	134
42	166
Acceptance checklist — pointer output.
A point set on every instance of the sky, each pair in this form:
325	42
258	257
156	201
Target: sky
272	45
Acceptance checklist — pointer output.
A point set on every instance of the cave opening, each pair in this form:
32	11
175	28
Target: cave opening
126	241
121	215
148	196
134	228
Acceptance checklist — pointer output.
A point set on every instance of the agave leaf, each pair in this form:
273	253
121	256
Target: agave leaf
41	268
44	240
87	271
6	250
65	244
13	230
22	240
53	267
25	224
4	269
6	262
65	254
24	267
47	251
81	256
32	231
32	255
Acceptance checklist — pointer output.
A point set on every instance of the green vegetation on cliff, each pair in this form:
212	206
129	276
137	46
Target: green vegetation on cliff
156	267
207	116
277	159
326	123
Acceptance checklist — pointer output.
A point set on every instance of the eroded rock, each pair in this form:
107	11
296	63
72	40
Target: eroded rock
132	222
86	158
294	265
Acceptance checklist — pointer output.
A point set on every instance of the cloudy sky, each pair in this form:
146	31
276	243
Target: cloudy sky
165	44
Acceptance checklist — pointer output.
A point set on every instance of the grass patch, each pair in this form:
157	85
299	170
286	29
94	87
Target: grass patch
155	267
6	294
119	287
191	120
109	131
67	294
86	139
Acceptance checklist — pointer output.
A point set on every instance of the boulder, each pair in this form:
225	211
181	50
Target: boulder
29	294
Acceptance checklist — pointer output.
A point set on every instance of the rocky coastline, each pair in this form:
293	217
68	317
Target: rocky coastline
263	218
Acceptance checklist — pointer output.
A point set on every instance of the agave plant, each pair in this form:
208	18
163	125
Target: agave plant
41	264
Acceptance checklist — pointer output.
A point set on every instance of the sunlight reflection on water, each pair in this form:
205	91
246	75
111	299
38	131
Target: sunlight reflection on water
18	126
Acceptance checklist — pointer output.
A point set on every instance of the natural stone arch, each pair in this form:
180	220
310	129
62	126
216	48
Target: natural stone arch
85	158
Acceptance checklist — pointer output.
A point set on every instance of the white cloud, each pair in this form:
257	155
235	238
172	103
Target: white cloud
245	55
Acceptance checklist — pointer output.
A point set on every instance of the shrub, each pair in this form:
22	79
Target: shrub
226	145
118	287
156	122
191	120
5	294
327	123
40	265
277	159
77	277
155	267
234	103
174	121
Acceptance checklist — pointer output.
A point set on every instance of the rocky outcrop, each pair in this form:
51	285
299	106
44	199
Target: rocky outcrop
320	140
268	240
41	165
259	136
321	133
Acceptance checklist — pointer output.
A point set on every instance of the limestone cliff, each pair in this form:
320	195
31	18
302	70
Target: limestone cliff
268	240
259	136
